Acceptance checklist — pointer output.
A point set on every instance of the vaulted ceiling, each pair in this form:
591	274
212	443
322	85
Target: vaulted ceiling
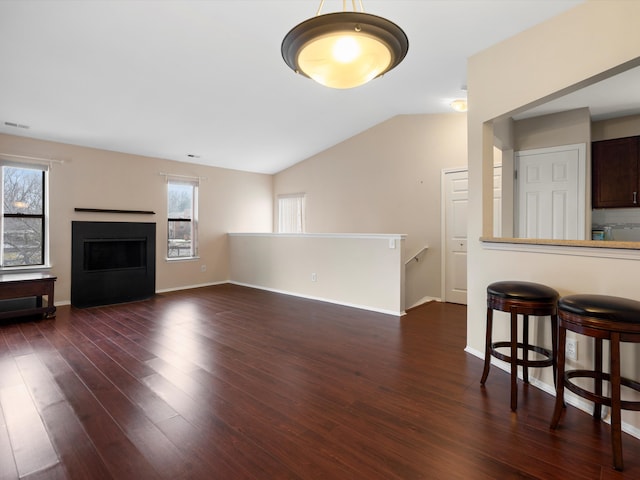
204	81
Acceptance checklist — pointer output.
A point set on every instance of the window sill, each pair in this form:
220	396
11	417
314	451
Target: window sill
180	259
24	269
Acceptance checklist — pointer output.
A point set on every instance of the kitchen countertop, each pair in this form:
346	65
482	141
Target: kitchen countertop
565	243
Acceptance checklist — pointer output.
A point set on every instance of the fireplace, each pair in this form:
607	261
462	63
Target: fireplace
112	262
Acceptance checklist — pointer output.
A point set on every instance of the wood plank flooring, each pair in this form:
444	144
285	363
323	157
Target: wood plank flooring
228	383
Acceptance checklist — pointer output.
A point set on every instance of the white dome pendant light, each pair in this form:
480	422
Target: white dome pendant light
344	49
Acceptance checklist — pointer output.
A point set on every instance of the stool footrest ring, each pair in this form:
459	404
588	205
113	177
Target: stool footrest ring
600	399
546	362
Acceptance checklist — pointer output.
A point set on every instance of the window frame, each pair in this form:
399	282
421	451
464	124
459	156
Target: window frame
192	219
43	217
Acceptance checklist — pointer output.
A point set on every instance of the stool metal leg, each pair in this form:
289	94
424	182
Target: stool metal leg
487	347
557	411
616	414
514	359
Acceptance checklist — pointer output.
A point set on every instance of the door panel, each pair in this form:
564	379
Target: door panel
549	193
456	194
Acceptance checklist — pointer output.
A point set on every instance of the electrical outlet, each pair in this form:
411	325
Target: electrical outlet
314	277
571	351
203	268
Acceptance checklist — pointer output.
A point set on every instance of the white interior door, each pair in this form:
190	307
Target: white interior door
550	186
455	188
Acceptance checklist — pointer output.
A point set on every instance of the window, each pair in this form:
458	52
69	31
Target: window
291	213
24	219
182	208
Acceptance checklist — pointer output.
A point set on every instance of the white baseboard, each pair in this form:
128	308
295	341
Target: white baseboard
328	300
164	290
188	287
424	300
570	398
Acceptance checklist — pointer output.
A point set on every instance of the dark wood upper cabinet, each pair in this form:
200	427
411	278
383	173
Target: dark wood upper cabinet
615	173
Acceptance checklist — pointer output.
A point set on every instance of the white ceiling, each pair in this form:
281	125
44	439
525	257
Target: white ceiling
170	79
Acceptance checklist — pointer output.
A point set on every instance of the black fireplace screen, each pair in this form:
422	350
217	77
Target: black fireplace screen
112	262
116	253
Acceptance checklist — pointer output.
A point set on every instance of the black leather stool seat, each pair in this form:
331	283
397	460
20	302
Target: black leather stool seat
603	307
601	317
520	298
523	291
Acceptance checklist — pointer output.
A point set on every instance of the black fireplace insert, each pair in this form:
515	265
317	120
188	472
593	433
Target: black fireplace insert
112	262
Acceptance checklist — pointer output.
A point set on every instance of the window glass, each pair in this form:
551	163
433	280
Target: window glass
182	219
23	216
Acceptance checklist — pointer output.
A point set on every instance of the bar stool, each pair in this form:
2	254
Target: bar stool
602	317
520	298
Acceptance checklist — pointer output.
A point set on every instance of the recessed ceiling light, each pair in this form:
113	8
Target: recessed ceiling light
459	105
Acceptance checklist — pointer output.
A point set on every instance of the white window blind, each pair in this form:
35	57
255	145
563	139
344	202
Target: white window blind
291	213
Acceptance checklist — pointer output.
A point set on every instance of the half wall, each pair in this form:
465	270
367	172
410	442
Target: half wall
358	270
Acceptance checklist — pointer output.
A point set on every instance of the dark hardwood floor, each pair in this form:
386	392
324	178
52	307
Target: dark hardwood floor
228	382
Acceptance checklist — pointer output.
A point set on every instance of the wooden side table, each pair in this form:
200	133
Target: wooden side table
24	285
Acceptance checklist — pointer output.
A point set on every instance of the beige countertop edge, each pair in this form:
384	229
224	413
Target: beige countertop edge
565	243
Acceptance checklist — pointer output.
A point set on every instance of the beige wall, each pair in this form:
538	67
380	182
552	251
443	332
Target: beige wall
628	126
364	271
554	57
565	128
90	178
385	180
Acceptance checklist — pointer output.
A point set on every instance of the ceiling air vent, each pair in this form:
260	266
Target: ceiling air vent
16	125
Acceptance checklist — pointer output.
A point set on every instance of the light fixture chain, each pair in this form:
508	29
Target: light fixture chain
344	6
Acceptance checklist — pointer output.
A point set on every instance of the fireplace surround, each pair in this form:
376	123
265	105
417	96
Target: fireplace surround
112	262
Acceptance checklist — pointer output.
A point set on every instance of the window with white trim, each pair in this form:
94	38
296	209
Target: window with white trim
182	210
24	234
291	213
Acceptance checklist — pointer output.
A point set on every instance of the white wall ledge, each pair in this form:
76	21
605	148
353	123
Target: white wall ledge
401	236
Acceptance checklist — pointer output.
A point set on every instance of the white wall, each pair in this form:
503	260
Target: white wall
557	56
364	271
385	180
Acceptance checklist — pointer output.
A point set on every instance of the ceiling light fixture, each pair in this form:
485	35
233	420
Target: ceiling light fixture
459	105
344	49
